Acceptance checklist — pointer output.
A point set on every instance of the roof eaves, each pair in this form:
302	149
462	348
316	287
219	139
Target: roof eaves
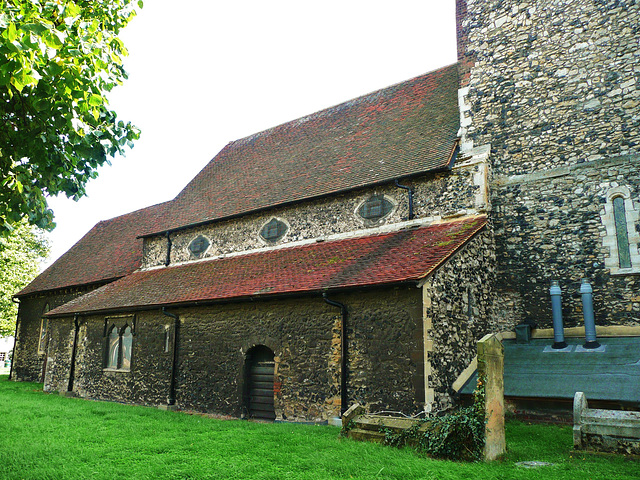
52	291
220	301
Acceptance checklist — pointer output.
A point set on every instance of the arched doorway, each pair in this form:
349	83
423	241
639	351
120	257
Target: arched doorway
259	383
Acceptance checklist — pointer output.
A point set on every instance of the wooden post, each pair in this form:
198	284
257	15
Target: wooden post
491	370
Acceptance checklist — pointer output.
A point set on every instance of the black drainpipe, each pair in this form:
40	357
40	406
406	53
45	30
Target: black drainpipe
15	342
167	261
72	369
174	363
410	191
344	398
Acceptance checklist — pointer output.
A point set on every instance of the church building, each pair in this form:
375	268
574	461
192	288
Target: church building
359	253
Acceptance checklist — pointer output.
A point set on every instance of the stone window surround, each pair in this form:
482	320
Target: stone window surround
372	222
203	252
278	240
610	239
375	208
44	323
110	323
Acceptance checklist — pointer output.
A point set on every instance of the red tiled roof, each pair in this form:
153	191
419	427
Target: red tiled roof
402	130
109	250
366	261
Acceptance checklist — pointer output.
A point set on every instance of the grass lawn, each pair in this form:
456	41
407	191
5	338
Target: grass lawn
51	437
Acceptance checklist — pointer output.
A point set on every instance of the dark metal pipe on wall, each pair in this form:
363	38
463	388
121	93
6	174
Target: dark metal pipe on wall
410	193
344	397
72	368
167	260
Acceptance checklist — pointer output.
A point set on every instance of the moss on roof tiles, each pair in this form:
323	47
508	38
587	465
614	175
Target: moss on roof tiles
365	261
401	130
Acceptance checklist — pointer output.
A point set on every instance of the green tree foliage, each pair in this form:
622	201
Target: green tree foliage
20	255
58	58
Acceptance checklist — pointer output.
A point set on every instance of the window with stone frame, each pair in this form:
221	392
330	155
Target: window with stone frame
620	217
44	325
113	348
118	345
199	246
375	208
274	230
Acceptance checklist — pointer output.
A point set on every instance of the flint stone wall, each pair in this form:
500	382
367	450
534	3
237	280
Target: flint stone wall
439	194
550	228
555	91
27	362
555	83
385	355
457	313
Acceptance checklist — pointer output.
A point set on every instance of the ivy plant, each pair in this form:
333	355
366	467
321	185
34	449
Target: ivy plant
455	435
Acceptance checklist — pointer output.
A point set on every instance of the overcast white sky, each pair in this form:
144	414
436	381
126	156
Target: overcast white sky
203	73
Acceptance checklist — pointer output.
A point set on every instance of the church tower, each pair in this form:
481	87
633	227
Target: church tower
552	90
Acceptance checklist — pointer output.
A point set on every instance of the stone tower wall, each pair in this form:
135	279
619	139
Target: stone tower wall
554	83
555	92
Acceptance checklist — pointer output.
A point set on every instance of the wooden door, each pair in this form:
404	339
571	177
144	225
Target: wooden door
260	383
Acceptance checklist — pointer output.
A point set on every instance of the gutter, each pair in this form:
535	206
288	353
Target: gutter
454	154
81	286
231	300
344	397
72	368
